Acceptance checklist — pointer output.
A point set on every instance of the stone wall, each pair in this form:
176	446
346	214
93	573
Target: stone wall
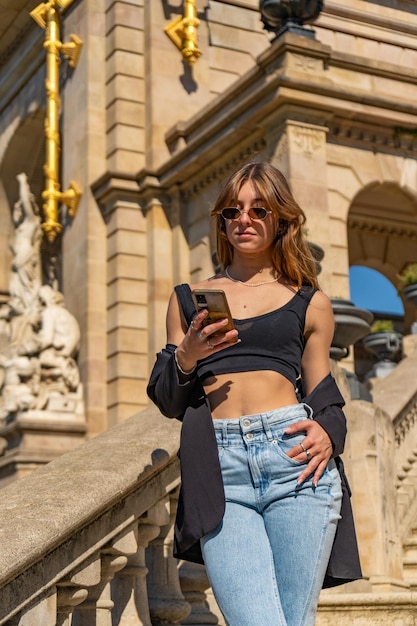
149	139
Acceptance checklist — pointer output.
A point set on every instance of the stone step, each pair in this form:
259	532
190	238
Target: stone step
413	531
367	609
410	577
410	547
412	581
410	558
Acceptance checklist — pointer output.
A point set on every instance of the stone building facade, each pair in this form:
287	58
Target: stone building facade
148	138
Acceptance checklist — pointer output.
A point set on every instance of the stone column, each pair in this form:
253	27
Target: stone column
160	256
166	601
370	462
125	86
129	591
178	215
97	609
127	319
83	160
194	584
299	151
69	596
76	587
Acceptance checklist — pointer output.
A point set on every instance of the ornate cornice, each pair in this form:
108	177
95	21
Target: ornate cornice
345	12
113	187
396	139
380	226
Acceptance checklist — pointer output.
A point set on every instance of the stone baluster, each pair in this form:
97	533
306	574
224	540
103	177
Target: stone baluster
69	596
88	575
166	601
98	607
129	590
194	583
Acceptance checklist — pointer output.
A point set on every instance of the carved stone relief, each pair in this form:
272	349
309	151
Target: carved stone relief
308	140
307	64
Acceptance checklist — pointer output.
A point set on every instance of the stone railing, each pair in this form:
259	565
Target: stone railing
397	394
87	539
406	451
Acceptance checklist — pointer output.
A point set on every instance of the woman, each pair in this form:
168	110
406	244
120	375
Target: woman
261	494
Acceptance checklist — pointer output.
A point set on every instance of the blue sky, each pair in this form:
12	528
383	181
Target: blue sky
371	290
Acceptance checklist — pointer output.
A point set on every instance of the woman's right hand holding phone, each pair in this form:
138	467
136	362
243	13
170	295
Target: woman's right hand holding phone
200	341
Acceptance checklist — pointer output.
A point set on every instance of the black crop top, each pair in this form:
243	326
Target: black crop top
272	341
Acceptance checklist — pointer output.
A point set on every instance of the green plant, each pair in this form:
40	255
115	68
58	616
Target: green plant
407	277
382	326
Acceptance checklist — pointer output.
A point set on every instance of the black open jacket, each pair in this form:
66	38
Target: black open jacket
201	502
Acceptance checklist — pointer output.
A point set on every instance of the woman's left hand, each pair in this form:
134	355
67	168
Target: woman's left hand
316	447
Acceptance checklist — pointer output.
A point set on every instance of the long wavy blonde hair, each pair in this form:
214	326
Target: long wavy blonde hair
291	255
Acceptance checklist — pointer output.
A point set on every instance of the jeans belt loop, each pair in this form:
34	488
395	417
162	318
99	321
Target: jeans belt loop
266	426
224	433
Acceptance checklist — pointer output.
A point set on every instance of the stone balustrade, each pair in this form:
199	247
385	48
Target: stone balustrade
87	539
397	394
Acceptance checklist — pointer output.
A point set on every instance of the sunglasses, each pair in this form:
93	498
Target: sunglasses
255	213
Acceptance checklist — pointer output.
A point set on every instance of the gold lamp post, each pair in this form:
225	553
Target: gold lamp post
183	32
47	16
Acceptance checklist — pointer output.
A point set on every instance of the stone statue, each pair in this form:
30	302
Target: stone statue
25	277
39	337
43	364
58	341
19	372
20	386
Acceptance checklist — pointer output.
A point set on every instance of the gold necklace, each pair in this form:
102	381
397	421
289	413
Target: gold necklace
236	280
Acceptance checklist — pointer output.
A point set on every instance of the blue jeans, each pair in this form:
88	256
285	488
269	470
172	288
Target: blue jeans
267	559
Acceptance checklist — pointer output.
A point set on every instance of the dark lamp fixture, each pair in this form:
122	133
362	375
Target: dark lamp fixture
280	16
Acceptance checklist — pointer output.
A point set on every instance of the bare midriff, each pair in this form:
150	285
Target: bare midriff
248	393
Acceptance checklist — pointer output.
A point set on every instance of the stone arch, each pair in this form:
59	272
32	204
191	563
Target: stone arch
371	192
382	231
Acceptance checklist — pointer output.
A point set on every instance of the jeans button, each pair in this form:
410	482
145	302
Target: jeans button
249	435
246	422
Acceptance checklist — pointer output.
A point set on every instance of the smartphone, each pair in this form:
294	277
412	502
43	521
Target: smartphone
214	300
